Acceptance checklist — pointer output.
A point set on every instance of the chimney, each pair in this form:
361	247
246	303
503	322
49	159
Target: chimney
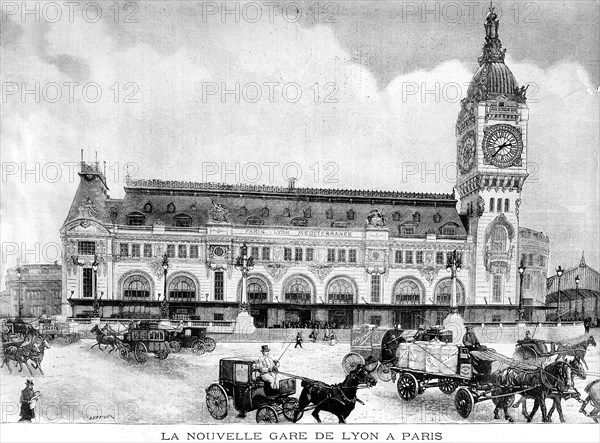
292	183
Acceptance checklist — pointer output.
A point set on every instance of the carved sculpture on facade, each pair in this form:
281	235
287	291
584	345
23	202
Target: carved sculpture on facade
375	219
517	206
320	271
88	209
429	273
480	206
218	214
276	270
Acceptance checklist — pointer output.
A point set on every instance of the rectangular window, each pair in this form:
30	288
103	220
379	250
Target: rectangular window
408	230
287	254
409	257
219	285
398	256
182	251
523	259
254	252
193	251
440	316
310	254
147	250
449	231
542	260
218	317
352	256
419	257
331	255
88	282
526	281
266	253
124	249
497	289
496	319
375	287
376	320
342	255
530	261
86	247
171	251
135	250
439	258
298	254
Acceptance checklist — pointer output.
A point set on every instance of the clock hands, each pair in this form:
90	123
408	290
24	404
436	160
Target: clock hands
502	146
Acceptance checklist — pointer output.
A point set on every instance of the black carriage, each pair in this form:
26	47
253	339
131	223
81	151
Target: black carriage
190	337
535	351
144	340
241	383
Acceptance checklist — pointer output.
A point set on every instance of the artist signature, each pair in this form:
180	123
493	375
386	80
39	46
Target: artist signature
101	417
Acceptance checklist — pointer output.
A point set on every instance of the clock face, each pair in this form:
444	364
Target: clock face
466	153
502	146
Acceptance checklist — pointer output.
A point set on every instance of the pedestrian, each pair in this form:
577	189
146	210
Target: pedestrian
586	324
298	340
331	339
313	335
28	402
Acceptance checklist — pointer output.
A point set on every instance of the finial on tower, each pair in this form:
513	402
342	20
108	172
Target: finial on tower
582	261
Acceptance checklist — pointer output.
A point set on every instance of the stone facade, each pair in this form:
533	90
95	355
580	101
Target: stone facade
39	288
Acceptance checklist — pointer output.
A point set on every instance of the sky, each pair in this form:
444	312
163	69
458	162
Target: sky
361	95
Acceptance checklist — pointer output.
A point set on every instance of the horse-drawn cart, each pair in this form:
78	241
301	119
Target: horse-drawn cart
141	341
191	337
239	381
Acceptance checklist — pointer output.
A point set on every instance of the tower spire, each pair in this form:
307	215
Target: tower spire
492	48
582	261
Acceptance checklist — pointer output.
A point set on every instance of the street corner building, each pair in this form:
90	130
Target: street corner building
344	256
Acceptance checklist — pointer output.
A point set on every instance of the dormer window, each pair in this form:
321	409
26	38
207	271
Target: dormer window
286	212
407	230
437	217
396	216
243	212
264	212
148	207
183	221
340	224
350	215
299	221
135	219
307	213
329	214
254	221
416	217
449	231
171	208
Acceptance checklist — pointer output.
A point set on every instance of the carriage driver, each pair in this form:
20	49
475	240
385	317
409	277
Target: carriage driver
268	368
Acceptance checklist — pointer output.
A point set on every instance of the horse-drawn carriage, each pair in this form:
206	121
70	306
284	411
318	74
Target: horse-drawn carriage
190	337
143	340
538	352
238	380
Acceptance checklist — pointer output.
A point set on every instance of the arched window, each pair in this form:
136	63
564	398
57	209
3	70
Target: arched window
257	290
243	212
264	212
491	205
307	213
299	221
297	290
136	287
396	216
443	292
507	205
286	212
407	292
416	217
171	208
499	205
329	214
182	288
183	221
148	207
340	290
437	217
350	215
499	239
136	219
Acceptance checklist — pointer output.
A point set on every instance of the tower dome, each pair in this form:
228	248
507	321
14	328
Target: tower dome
493	78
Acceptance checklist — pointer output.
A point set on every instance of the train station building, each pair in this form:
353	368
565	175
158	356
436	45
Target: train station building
344	256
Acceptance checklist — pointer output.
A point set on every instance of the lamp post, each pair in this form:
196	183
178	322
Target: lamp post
453	266
559	273
95	304
244	264
521	273
20	305
164	307
577	280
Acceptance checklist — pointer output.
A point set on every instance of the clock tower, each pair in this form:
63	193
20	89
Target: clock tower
491	133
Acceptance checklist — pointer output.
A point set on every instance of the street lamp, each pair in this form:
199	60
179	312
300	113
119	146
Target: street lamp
96	304
577	280
521	273
164	307
453	266
244	264
20	306
559	273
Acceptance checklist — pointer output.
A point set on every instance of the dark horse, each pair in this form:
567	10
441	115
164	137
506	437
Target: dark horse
553	381
338	399
103	338
21	355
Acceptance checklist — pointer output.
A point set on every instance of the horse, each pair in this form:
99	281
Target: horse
339	399
28	351
104	338
537	384
578	350
593	392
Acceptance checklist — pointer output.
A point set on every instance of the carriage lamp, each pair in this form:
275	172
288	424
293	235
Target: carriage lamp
521	273
559	273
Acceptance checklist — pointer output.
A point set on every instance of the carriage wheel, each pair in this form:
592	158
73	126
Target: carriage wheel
384	372
351	361
216	401
289	409
198	347
464	402
526	354
266	414
175	346
448	385
123	353
209	344
162	354
408	386
140	352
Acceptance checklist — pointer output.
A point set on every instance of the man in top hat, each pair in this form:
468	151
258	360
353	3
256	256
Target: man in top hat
268	368
27	395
